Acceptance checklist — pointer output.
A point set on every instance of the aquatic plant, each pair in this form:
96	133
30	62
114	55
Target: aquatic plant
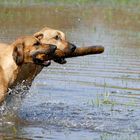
105	99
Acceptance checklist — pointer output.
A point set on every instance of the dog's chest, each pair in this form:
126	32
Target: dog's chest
10	70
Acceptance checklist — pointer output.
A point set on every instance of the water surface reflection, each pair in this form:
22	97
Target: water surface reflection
89	97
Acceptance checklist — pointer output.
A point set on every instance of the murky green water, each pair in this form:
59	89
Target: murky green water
91	97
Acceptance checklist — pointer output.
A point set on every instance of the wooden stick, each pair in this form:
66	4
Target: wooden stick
81	51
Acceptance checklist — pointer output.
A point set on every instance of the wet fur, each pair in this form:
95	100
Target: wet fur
15	62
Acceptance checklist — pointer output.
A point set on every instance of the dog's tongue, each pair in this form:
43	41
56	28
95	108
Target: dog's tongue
46	63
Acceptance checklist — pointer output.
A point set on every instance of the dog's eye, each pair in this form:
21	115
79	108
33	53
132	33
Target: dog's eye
57	37
36	43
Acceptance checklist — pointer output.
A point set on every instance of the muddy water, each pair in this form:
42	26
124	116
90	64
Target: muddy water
91	97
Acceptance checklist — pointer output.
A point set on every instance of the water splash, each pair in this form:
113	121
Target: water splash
13	101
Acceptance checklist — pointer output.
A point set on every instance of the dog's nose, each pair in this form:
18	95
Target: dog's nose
53	48
72	47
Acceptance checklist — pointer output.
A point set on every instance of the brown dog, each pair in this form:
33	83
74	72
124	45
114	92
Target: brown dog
64	48
13	60
58	38
26	57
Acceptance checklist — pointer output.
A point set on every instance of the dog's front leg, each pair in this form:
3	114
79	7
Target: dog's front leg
3	93
3	90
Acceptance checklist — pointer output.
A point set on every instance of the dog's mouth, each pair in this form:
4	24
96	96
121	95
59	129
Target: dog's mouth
43	62
60	60
59	57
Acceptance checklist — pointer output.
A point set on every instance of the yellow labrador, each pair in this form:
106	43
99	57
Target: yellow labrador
56	37
64	48
14	57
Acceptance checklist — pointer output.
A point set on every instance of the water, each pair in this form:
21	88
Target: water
91	97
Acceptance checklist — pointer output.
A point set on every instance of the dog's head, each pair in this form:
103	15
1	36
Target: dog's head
30	50
56	37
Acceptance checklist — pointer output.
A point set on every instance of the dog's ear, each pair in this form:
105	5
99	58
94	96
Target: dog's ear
18	54
38	35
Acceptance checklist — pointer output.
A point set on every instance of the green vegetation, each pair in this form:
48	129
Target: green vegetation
104	2
105	99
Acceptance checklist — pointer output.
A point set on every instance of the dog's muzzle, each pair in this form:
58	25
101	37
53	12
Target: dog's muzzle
72	47
61	59
46	52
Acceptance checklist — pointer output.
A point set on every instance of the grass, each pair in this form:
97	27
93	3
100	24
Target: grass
105	99
105	2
